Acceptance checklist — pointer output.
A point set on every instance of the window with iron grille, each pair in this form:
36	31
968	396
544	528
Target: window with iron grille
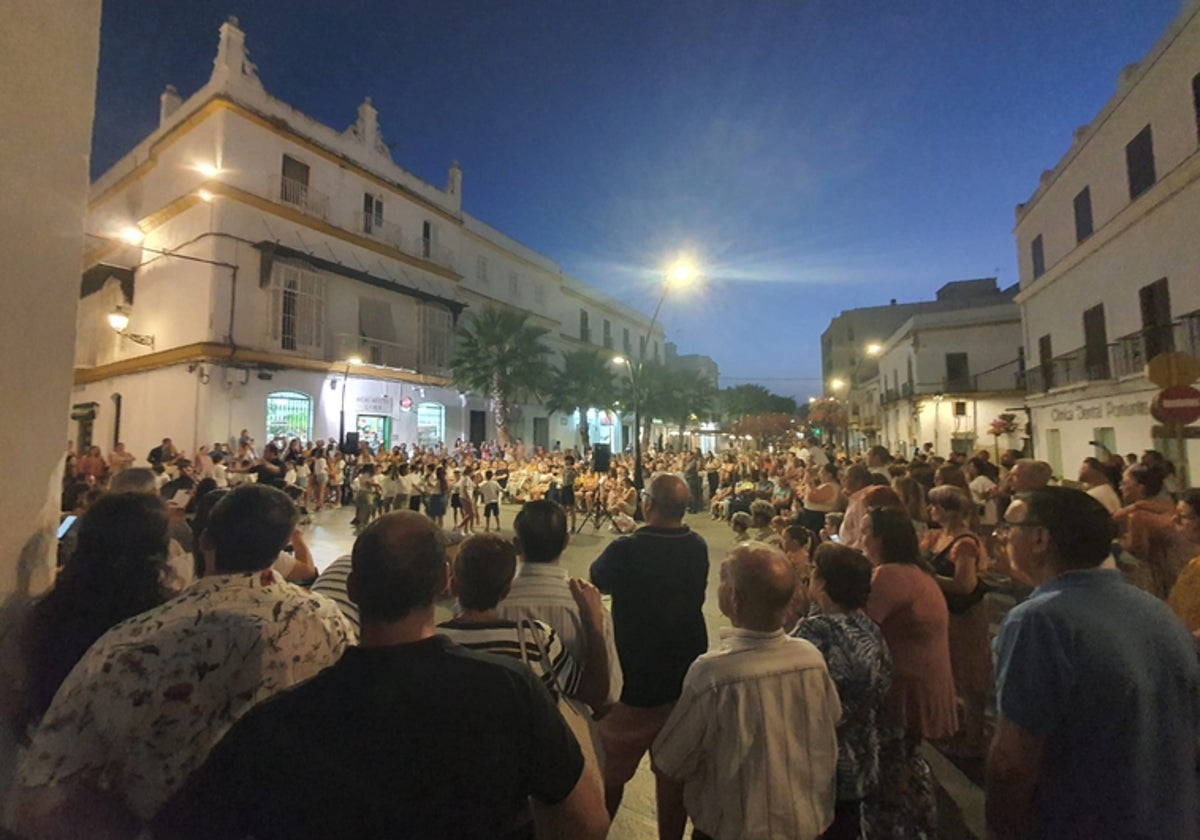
1139	161
289	415
297	307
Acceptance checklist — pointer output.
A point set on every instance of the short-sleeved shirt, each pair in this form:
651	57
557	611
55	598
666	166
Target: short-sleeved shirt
153	695
657	578
505	638
421	740
1107	675
861	668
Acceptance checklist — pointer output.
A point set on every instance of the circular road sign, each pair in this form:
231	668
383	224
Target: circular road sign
1176	406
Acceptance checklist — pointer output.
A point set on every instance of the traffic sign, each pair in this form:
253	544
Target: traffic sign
1177	406
1168	370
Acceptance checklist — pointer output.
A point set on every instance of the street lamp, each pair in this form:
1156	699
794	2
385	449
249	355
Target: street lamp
118	319
681	273
353	360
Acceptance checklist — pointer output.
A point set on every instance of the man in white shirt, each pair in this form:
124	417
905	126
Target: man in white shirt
489	494
753	736
854	484
540	589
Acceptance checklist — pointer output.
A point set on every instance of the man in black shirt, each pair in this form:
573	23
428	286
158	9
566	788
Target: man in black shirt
657	577
408	735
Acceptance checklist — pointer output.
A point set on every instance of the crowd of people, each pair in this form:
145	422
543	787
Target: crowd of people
191	675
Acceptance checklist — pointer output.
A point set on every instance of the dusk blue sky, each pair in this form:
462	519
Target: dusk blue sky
814	156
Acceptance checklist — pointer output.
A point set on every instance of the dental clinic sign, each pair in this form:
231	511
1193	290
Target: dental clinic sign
1100	410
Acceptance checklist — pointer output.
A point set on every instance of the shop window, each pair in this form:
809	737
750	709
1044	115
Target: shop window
431	423
289	415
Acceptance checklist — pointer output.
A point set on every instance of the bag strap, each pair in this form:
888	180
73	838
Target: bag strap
547	665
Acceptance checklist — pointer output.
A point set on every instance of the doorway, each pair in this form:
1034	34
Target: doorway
478	431
376	430
541	432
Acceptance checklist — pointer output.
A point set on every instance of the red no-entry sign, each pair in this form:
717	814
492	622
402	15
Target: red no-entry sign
1177	406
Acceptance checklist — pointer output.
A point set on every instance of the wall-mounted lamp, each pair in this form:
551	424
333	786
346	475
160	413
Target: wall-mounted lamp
118	319
132	235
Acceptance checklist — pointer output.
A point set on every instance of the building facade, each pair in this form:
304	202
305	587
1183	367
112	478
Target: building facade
1109	251
273	274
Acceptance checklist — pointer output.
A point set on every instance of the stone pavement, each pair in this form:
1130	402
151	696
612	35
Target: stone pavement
960	798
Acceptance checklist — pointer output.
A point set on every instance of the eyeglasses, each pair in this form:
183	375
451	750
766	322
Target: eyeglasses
1003	528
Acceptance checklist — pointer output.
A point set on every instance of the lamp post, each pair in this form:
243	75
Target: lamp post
353	360
679	274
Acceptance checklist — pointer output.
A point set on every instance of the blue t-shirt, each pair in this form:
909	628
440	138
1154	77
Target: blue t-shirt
1109	677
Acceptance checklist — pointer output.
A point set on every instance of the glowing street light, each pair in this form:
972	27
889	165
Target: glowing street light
132	234
208	170
874	348
837	384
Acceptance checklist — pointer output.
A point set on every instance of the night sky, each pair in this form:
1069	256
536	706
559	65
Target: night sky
813	156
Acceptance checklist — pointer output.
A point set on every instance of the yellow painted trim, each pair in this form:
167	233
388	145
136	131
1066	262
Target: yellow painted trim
214	353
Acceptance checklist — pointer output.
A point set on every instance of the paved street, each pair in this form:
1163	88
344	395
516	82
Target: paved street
961	806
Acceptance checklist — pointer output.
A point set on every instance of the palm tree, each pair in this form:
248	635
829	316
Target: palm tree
502	356
585	380
672	395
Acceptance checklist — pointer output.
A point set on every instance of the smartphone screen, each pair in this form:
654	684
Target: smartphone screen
65	526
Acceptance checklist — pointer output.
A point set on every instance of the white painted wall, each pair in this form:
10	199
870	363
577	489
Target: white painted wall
48	56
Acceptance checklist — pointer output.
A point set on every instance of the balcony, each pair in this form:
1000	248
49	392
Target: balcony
1127	356
388	233
429	249
375	352
300	195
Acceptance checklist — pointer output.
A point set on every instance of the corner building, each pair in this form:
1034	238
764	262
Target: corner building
254	251
1109	254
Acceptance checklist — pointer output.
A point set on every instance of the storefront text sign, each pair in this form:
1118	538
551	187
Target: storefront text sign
1099	410
373	404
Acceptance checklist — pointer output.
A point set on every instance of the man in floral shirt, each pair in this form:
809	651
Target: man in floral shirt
148	701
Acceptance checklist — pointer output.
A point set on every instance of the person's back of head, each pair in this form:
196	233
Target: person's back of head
115	573
759	582
398	565
912	496
881	496
954	502
248	528
541	529
740	521
761	512
879	480
134	480
483	571
878	456
1030	474
898	539
668	497
844	573
1080	527
855	478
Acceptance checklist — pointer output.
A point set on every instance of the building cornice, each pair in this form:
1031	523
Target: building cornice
610	309
225	354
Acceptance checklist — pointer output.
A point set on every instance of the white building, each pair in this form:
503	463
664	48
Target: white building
1109	250
255	251
942	378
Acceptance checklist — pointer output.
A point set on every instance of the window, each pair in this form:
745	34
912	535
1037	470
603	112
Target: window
608	341
436	339
910	373
1196	101
1046	361
1157	334
1139	161
289	415
481	274
1038	256
428	239
1083	214
585	333
293	186
539	294
514	286
431	423
656	351
1095	338
372	214
626	344
297	307
641	346
958	374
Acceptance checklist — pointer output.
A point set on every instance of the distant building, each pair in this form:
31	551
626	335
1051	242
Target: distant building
942	378
1109	250
248	252
704	365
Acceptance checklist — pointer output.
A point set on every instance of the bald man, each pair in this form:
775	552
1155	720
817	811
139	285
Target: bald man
753	738
657	577
380	732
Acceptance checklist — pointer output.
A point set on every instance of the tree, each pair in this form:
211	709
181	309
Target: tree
585	380
671	395
742	400
777	429
502	356
827	413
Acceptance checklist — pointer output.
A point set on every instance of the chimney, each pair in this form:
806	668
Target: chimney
232	64
454	180
168	102
367	125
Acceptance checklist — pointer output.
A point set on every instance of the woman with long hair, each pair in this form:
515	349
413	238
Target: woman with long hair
1184	599
116	572
959	560
435	491
911	612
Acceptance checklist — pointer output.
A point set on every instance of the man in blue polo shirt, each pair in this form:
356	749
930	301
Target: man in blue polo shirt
1098	690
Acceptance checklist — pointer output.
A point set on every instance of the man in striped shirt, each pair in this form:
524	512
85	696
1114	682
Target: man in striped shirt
541	590
753	736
